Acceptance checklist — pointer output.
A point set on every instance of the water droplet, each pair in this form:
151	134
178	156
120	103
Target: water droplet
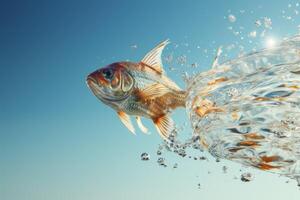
298	180
182	152
258	23
169	58
231	18
194	65
134	46
202	158
161	161
199	186
158	153
268	23
252	34
145	156
182	60
246	177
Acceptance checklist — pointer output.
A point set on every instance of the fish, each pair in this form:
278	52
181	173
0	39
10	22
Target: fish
139	89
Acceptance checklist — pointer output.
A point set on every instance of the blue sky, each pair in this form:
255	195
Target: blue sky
57	141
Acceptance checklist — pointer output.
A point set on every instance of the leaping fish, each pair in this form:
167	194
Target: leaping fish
139	89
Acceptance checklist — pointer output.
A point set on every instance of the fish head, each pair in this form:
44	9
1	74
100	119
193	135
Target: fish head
111	83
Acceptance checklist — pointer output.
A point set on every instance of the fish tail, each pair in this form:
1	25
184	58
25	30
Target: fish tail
180	98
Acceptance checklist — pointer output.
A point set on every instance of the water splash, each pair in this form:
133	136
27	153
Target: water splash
247	110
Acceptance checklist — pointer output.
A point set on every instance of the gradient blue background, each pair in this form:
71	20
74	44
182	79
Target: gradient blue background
57	141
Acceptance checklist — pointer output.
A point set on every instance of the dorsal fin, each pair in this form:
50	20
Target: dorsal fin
153	58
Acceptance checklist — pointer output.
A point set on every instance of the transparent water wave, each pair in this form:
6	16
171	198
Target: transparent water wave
248	110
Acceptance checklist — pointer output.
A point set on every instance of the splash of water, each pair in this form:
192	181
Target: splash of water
248	110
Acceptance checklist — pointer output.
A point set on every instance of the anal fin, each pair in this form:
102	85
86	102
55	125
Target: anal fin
141	126
125	119
164	125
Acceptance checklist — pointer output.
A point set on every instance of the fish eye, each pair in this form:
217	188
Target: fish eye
107	74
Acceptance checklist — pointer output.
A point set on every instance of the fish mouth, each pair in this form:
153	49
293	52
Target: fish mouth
94	86
91	82
101	92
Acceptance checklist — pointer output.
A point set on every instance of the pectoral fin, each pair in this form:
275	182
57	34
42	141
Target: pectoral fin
141	126
153	91
125	119
164	126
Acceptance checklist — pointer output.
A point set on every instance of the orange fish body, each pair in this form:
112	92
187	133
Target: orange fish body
139	89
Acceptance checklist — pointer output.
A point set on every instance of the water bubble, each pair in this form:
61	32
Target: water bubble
134	46
145	156
252	34
175	165
194	65
202	158
185	77
169	58
236	33
267	23
161	161
298	180
246	177
230	47
288	17
231	18
182	152
182	60
258	23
